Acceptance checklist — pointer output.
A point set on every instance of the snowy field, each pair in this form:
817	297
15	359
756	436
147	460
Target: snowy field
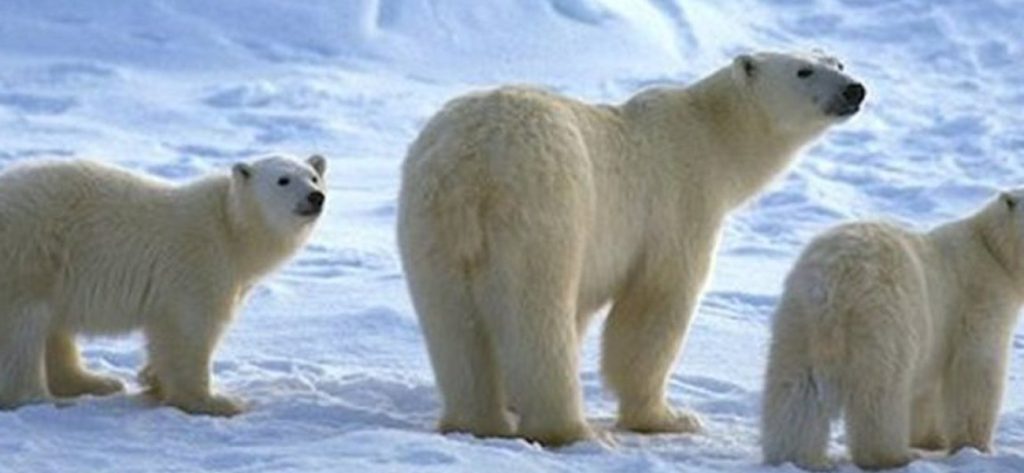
327	351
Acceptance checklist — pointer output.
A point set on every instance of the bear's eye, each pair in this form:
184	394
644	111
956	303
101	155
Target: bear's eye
804	73
315	180
283	181
839	66
1010	201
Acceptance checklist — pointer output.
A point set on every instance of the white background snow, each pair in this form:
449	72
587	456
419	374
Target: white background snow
327	351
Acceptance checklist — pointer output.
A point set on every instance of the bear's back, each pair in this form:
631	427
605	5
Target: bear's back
73	183
860	245
67	197
856	262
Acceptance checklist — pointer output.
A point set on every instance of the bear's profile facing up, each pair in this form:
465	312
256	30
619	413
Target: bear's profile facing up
88	248
905	334
522	212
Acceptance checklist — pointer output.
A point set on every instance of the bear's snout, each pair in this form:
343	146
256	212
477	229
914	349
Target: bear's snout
854	93
312	205
847	100
316	199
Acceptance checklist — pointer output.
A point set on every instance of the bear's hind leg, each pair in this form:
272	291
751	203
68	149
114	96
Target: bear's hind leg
537	349
64	372
974	387
877	405
461	354
799	398
23	327
528	303
927	430
181	345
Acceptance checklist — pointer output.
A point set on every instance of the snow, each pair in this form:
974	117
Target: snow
328	352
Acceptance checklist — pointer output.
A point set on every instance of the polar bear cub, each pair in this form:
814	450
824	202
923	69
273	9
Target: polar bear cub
905	334
522	212
88	248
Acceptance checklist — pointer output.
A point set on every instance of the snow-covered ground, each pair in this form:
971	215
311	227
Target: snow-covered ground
328	351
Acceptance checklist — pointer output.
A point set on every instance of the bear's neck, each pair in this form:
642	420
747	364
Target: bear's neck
974	249
254	248
753	149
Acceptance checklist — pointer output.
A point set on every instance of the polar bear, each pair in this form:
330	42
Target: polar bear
905	334
522	212
88	248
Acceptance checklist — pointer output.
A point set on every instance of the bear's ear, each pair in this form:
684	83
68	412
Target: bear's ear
319	163
744	67
241	171
1008	200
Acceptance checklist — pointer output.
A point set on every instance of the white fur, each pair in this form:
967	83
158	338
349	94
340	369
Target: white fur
905	334
522	212
88	248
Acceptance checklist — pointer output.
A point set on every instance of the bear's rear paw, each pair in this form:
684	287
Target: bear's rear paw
982	446
931	442
818	463
557	435
664	420
87	383
213	405
885	461
150	382
492	426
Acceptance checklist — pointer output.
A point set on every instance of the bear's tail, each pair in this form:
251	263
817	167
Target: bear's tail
799	401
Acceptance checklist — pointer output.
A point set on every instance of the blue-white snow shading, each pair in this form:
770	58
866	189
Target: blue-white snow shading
328	352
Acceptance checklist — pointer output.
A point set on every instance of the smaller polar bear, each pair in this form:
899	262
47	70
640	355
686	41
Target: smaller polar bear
906	334
92	249
523	212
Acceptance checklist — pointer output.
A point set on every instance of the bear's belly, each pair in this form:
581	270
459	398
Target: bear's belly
104	304
101	317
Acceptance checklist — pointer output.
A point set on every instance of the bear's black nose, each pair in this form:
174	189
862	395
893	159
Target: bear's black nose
854	94
316	198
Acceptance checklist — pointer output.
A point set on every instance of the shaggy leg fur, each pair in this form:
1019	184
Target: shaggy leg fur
23	327
927	427
181	346
796	411
877	401
974	394
64	372
461	354
645	331
642	338
533	322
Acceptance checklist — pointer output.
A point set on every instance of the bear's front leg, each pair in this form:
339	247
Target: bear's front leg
642	338
927	426
150	383
64	373
181	347
974	388
23	327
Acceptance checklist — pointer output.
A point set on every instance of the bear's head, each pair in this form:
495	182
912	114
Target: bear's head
799	94
285	194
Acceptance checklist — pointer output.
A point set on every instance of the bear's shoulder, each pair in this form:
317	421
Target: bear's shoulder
864	243
512	100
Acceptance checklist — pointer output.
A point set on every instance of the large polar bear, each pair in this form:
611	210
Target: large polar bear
87	248
906	334
523	212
